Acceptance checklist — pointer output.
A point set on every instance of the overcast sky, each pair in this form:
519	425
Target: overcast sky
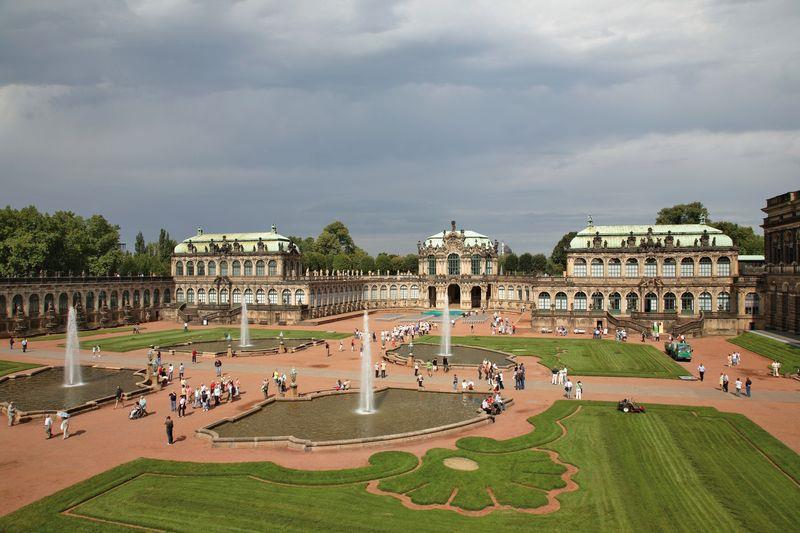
517	119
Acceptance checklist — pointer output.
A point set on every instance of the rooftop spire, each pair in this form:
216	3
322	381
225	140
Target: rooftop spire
589	221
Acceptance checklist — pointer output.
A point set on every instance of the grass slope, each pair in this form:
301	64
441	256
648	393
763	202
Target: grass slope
673	468
176	336
85	333
586	357
786	354
9	367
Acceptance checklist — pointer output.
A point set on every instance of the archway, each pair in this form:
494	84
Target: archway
432	297
454	294
475	296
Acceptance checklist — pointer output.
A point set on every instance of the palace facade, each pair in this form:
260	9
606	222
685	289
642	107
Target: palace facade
782	249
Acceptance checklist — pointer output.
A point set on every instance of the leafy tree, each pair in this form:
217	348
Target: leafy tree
510	263
383	262
166	245
314	261
525	262
559	255
744	237
690	213
140	247
410	263
364	261
538	263
342	261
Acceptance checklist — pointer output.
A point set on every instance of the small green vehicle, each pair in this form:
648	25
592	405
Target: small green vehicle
680	351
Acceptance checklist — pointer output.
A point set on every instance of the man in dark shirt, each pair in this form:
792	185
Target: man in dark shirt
168	424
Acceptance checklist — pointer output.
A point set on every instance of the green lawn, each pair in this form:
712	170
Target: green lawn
786	354
9	367
673	468
126	343
586	357
86	333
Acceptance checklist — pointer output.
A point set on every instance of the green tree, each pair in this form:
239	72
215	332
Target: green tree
510	263
342	261
335	238
410	263
539	264
525	262
383	262
559	255
140	247
744	237
691	213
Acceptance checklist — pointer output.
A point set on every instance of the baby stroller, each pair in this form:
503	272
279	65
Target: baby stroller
137	412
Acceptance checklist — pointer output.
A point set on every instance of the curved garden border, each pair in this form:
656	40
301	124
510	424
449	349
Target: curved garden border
393	357
186	347
293	442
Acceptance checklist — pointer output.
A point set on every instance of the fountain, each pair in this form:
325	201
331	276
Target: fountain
72	367
445	341
244	329
366	394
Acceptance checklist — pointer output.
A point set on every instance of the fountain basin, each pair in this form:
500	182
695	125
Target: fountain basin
42	390
469	356
257	346
330	419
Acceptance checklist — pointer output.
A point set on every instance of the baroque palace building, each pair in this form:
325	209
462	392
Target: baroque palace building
683	278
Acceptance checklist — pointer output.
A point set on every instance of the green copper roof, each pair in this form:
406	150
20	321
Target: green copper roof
272	241
471	238
616	236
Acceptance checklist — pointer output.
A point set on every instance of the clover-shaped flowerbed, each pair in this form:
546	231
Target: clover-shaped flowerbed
520	479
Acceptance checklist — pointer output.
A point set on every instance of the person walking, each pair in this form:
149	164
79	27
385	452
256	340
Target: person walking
455	383
194	356
383	369
181	371
554	377
522	376
738	385
182	406
11	411
48	426
725	382
186	327
168	424
419	381
64	424
24	345
265	388
11	343
747	384
701	370
721	381
327	349
118	398
568	389
218	367
170	372
578	390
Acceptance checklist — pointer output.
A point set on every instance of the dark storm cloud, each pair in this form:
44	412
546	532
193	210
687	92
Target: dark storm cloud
516	120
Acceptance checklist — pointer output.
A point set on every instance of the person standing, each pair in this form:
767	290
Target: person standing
725	382
701	370
377	370
265	388
554	378
186	327
721	381
11	343
578	390
168	424
218	367
64	424
118	398
419	381
181	371
522	376
24	345
182	406
738	386
568	389
48	426
747	384
455	382
194	355
327	349
173	399
383	369
11	411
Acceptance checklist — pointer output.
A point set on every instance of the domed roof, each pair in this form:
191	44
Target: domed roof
471	238
272	240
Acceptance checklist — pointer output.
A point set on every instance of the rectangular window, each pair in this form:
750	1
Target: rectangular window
632	270
580	269
597	270
669	270
723	269
705	268
650	270
614	270
687	269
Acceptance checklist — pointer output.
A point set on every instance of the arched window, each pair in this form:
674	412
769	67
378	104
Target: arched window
237	268
669	302
102	299
167	296
705	266
90	300
632	301
669	268
580	267
16	304
752	303
723	266
145	298
201	296
383	292
705	301
453	265
650	303
212	296
261	297
248	268
488	271
272	296
597	268
248	296
403	292
374	293
179	268
189	296
632	268
431	265
476	265
189	268
650	267
223	296
544	300
76	299
614	268
501	293
3	308
115	299
510	293
259	268
201	268
415	292
597	301
126	298
136	298
393	292
272	268
237	296
561	301
299	297
179	297
687	267
223	268
33	305
724	301
687	302
212	268
580	301
614	302
286	297
365	293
